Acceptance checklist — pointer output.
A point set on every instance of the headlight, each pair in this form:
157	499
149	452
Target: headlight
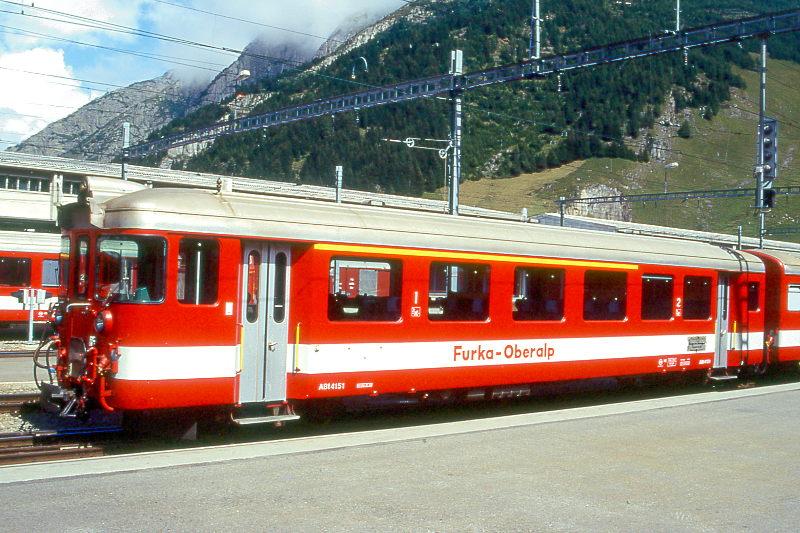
103	321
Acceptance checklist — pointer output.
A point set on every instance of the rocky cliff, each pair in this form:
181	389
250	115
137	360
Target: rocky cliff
94	132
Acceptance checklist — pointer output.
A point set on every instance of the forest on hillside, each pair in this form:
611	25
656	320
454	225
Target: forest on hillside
602	111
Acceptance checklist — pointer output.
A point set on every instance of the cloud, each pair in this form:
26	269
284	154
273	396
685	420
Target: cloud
317	19
80	19
29	102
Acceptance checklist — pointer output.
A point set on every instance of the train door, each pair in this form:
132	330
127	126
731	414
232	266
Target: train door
723	307
265	280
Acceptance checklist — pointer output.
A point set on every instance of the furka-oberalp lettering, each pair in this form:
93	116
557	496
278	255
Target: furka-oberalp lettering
509	351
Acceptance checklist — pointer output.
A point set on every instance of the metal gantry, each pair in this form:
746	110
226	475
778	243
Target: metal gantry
440	84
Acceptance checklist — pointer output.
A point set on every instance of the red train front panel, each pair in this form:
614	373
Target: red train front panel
169	334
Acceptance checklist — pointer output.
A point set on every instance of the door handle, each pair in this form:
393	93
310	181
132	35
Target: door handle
271	345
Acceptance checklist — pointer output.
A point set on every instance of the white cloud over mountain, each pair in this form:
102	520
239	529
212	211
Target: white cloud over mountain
28	102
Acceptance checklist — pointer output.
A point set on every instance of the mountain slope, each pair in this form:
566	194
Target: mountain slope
94	132
527	127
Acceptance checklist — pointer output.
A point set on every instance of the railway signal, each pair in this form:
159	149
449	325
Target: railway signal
768	139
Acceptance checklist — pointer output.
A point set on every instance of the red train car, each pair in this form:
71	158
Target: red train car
181	298
27	260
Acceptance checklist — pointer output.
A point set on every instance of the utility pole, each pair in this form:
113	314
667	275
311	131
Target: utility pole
762	111
126	144
536	32
339	172
678	29
456	95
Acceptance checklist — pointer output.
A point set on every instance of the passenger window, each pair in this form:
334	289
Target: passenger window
130	269
752	296
696	298
15	271
253	285
538	294
657	297
82	270
50	274
198	271
794	298
604	295
363	290
458	292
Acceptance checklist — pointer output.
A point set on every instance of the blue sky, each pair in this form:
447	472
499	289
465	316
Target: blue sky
40	74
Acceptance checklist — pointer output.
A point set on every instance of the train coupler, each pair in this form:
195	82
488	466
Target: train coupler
57	400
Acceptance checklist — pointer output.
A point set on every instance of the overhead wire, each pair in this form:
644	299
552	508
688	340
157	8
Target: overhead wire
119	28
157	57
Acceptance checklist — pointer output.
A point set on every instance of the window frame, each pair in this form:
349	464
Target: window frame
753	290
396	280
78	266
710	298
487	270
624	309
671	297
280	283
58	272
164	276
20	260
515	314
218	276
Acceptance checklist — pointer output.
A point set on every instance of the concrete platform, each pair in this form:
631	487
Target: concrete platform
718	461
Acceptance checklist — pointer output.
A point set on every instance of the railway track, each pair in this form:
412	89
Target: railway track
13	403
24	448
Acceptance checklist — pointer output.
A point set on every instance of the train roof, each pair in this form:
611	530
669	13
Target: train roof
29	241
790	260
239	214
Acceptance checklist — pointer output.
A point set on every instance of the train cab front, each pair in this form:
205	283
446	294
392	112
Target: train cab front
101	274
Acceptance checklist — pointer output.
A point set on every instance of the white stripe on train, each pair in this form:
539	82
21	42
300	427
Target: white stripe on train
788	338
193	362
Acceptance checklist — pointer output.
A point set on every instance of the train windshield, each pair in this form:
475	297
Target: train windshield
130	269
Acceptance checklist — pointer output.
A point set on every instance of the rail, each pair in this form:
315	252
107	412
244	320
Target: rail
23	448
13	403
